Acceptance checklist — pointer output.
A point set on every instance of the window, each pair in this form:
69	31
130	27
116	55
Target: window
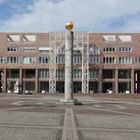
94	59
124	74
93	73
29	73
76	52
60	73
77	60
109	49
109	60
109	38
29	38
44	73
61	50
125	49
29	49
43	60
108	73
137	60
44	50
1	59
13	49
125	38
13	60
94	50
60	60
12	73
77	73
125	60
29	60
13	38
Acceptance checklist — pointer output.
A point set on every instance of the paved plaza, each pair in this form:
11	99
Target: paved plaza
42	117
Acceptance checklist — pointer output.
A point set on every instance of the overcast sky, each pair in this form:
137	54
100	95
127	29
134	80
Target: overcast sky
87	15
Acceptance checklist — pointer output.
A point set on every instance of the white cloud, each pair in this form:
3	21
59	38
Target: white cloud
89	15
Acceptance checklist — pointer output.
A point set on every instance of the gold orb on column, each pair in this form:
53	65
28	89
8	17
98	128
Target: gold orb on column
69	25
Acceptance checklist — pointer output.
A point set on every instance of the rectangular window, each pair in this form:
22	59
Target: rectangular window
125	60
124	74
125	38
44	50
109	60
29	60
60	60
60	50
93	73
94	59
13	60
1	59
29	73
43	60
137	60
13	49
13	38
77	60
60	73
125	49
29	38
12	73
109	38
29	49
109	49
94	50
76	52
77	73
44	73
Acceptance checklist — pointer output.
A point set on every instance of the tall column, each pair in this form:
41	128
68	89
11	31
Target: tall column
132	81
100	81
116	81
4	81
36	81
21	79
68	65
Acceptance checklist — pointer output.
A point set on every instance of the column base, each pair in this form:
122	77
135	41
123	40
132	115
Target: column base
69	101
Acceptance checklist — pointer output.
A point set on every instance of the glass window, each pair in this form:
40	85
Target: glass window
124	74
60	73
109	60
93	73
29	38
12	73
137	60
13	49
60	60
77	73
109	38
13	60
29	60
77	60
44	73
1	59
43	60
109	49
29	73
29	49
125	60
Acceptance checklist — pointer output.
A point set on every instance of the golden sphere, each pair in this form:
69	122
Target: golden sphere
69	25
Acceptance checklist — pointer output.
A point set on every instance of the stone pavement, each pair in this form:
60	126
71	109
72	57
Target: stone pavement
37	117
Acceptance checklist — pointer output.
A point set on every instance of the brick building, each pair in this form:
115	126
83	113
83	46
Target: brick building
102	62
